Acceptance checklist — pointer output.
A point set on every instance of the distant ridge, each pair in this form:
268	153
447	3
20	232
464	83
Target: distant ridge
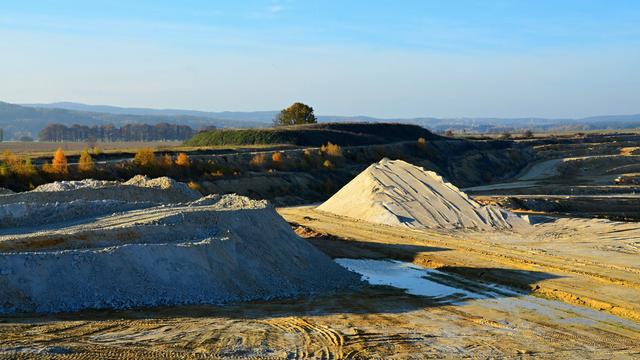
469	124
252	116
29	119
18	120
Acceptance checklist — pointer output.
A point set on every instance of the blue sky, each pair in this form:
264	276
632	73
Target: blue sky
562	58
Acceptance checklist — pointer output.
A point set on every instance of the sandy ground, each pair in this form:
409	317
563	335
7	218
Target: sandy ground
378	323
549	310
567	289
576	261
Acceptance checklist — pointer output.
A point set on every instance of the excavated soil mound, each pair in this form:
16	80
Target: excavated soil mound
215	250
398	193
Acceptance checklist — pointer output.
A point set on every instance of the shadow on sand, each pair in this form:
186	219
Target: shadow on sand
465	283
347	248
370	299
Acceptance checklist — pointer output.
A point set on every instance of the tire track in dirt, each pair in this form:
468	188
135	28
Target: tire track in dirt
316	341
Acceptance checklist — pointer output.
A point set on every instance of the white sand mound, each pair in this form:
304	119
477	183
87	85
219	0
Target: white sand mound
164	183
398	193
73	185
216	250
31	214
65	200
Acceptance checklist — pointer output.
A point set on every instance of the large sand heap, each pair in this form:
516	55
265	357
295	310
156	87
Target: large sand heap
216	249
395	192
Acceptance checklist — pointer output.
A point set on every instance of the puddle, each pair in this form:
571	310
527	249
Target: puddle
414	279
456	290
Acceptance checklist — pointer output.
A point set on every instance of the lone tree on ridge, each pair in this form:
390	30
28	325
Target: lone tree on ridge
298	113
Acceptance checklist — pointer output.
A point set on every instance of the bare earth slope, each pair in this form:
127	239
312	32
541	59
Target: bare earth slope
394	192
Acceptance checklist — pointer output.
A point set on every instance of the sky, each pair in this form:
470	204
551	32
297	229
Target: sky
394	59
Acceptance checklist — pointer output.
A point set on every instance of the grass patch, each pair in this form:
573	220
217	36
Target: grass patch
344	134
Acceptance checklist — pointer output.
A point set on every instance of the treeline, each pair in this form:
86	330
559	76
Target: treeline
19	173
130	132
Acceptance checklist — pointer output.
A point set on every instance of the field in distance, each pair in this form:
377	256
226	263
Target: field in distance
45	149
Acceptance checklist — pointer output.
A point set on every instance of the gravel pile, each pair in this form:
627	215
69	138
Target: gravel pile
212	250
140	190
73	185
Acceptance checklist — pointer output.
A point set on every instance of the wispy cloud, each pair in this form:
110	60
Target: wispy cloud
270	11
274	9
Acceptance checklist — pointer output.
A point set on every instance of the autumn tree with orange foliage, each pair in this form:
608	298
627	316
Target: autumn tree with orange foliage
257	160
276	159
59	164
194	186
145	158
85	164
331	149
166	161
26	169
422	144
10	159
183	160
21	167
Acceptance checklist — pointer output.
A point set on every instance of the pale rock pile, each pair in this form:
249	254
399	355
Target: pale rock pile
73	185
394	192
31	214
163	183
66	200
212	250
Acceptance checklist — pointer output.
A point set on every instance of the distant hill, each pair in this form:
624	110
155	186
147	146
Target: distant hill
253	118
30	118
249	118
495	125
344	134
17	120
